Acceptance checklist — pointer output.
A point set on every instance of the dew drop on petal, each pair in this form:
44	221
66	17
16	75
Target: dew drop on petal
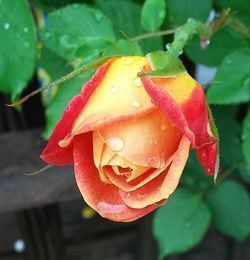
117	78
203	155
170	92
106	207
208	170
128	61
155	142
136	104
114	90
115	143
163	127
127	195
137	82
153	162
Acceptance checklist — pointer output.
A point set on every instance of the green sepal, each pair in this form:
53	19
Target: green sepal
216	134
164	65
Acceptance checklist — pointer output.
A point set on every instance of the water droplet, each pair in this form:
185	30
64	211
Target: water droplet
77	163
115	143
155	142
25	29
161	14
6	26
136	104
115	90
172	124
104	207
203	155
168	46
153	162
117	78
128	61
98	16
208	170
127	195
65	42
180	52
190	20
47	35
26	44
137	82
170	93
151	141
163	127
229	61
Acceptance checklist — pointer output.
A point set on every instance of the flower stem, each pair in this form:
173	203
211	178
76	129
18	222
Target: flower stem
185	33
153	34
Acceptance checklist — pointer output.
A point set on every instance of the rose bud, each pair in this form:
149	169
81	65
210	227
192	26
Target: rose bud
129	137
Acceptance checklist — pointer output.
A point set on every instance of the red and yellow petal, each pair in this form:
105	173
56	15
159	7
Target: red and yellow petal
120	96
148	141
164	185
183	100
102	197
55	154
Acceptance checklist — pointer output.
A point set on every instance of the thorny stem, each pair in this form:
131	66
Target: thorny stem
152	35
185	33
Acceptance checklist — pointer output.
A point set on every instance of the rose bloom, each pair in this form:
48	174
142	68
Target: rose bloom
129	138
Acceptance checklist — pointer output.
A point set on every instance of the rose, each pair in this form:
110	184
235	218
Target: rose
129	138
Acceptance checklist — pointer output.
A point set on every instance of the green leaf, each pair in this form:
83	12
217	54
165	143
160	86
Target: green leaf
246	141
233	73
153	14
77	26
54	65
181	223
179	11
229	203
230	137
132	27
194	176
51	67
65	93
17	46
221	44
123	47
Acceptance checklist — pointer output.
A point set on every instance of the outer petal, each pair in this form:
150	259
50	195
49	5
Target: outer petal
119	97
104	198
148	141
55	154
208	157
187	110
162	186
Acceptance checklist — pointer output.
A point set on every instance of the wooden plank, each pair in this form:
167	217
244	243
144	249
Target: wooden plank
19	153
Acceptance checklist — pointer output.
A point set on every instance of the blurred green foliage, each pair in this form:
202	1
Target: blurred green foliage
61	35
